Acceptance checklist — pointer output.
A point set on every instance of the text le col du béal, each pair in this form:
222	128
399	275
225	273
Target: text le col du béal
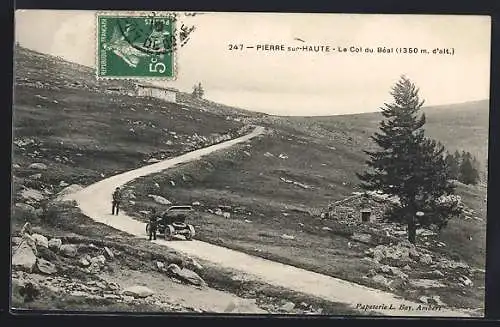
337	49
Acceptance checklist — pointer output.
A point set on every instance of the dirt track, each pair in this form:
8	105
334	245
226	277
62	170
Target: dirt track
95	202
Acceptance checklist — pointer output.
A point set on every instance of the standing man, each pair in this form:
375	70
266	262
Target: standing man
153	224
117	198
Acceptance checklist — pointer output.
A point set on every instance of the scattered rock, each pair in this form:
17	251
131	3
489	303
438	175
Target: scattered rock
38	165
437	273
287	237
160	265
159	199
426	259
101	259
84	262
45	267
32	194
25	207
36	176
424	232
63	184
24	258
436	300
109	253
30	241
94	268
68	250
379	279
196	204
55	244
288	306
138	291
268	154
365	238
226	215
185	275
68	190
398	283
196	266
326	228
243	306
41	240
16	240
465	281
26	227
426	283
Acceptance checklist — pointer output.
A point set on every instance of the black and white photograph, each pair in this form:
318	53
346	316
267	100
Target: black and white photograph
250	163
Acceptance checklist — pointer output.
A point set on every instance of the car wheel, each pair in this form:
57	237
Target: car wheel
169	232
191	234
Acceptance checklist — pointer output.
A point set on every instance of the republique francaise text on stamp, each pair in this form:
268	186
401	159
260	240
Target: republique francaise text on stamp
135	46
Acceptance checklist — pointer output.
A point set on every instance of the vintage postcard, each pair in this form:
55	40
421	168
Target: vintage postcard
260	163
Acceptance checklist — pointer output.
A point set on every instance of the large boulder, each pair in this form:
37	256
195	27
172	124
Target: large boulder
185	275
288	306
138	291
55	244
32	194
68	250
38	165
30	241
41	240
45	267
159	199
68	190
24	258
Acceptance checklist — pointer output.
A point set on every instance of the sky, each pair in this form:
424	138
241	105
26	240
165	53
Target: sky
292	83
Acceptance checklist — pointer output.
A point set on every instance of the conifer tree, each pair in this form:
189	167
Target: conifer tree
408	165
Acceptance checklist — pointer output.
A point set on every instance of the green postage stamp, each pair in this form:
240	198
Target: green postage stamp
135	46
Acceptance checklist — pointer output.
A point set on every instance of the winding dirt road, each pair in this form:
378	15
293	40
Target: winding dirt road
95	200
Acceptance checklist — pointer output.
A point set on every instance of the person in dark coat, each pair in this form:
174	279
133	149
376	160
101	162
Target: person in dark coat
117	198
153	224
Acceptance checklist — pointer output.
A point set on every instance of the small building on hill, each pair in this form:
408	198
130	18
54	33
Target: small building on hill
163	93
360	207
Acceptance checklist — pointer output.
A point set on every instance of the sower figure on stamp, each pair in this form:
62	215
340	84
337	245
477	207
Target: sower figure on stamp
117	198
153	224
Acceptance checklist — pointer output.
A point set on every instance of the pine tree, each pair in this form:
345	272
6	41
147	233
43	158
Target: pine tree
408	165
453	166
468	173
198	91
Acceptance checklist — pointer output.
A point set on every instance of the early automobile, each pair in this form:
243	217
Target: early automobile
172	222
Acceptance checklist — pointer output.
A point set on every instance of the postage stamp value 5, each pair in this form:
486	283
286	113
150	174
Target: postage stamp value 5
135	46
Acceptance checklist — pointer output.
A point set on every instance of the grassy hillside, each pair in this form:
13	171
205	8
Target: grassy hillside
278	184
66	118
462	126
